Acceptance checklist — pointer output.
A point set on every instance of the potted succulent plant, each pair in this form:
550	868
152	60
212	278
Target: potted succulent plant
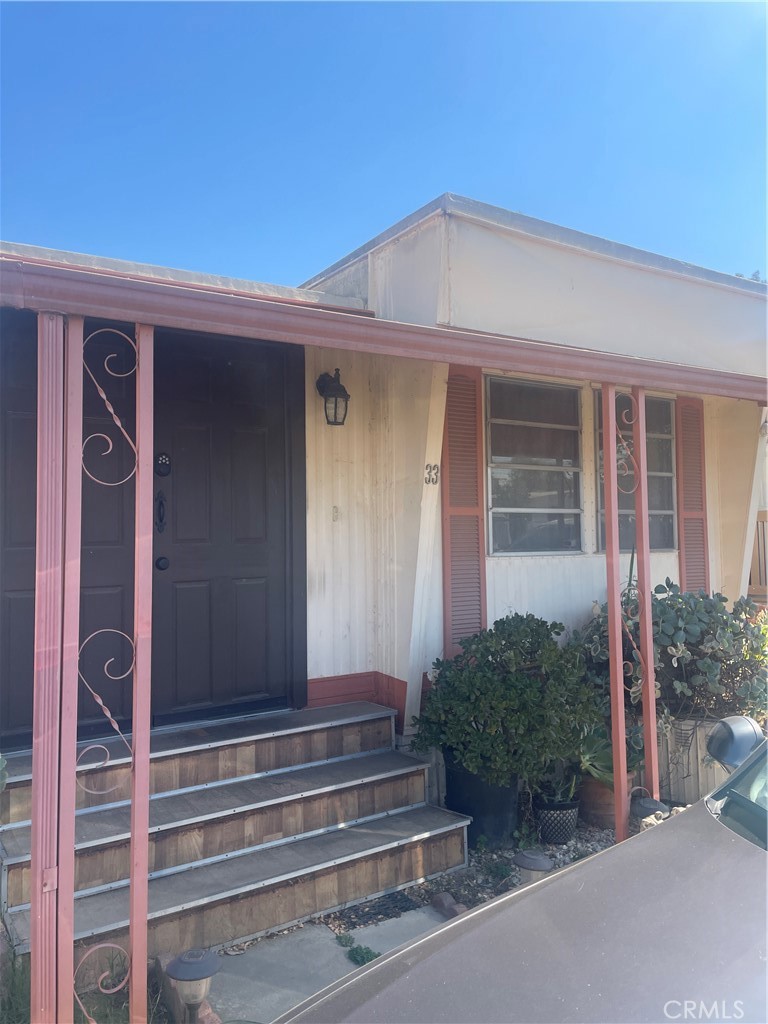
556	803
596	804
503	711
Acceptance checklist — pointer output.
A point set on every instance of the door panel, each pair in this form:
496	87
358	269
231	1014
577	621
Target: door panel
222	605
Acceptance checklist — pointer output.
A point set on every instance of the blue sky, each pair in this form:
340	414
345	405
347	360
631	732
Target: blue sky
266	140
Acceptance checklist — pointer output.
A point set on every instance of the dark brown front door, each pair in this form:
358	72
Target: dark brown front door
229	611
224	480
18	438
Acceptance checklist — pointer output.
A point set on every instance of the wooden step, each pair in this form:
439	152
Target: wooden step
217	820
207	752
269	888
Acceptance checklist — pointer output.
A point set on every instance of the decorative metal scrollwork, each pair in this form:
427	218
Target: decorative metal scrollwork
105	968
105	983
626	464
99	436
106	669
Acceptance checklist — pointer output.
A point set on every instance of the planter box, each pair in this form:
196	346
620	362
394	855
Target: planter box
686	774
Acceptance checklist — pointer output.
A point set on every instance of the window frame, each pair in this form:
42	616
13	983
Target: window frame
577	429
649	435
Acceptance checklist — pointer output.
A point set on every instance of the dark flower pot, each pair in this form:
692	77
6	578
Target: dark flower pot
556	821
493	808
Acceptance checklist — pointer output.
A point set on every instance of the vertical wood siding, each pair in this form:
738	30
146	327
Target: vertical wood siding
365	489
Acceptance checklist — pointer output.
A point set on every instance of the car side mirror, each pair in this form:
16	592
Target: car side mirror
733	739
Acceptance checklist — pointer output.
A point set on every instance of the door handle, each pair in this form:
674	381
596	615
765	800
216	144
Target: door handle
162	563
160	511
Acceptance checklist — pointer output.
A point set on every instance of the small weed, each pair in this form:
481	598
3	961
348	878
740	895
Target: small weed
357	954
526	835
362	955
499	870
15	1000
14	991
481	844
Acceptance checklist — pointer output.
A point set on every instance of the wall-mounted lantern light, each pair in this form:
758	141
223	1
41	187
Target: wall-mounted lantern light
192	971
335	398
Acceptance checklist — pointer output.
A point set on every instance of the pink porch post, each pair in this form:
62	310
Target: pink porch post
643	547
47	667
142	631
612	552
73	483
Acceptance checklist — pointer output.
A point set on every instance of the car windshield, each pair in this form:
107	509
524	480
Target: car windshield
741	803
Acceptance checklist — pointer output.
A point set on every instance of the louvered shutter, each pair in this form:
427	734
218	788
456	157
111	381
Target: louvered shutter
691	495
463	511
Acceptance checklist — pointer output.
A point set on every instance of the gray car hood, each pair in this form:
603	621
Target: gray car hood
668	926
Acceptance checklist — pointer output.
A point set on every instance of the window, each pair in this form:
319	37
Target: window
660	440
534	467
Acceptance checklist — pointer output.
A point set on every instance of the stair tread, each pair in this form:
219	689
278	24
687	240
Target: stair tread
164	742
224	798
103	911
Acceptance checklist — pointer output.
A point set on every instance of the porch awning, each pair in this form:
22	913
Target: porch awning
73	290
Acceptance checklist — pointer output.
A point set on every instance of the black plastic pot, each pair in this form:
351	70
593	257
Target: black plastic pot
556	821
493	808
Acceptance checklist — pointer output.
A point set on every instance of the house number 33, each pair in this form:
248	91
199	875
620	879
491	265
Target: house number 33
433	473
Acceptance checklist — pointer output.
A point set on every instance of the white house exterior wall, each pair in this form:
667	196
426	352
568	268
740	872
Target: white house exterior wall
734	453
509	283
562	588
404	280
375	592
374	574
371	518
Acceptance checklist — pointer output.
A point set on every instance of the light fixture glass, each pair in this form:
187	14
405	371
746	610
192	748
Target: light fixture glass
335	398
192	972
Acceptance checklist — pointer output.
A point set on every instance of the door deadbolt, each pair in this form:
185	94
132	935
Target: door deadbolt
162	464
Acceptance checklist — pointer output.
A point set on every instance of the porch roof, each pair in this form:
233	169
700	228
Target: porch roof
449	204
128	269
72	284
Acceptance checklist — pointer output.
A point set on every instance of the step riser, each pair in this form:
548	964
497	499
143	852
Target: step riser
185	844
198	767
273	907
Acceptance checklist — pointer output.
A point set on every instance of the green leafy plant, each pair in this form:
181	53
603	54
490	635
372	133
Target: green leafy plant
345	939
526	835
709	661
597	753
560	783
3	773
362	955
511	704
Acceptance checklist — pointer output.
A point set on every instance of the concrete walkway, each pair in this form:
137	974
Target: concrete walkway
280	971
